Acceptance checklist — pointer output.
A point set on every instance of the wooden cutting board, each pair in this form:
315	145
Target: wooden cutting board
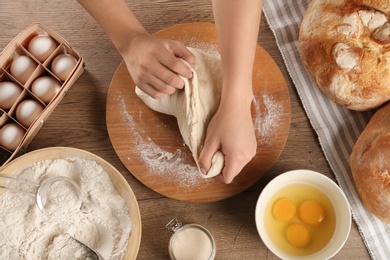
150	145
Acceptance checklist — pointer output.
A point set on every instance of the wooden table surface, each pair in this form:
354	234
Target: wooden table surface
79	121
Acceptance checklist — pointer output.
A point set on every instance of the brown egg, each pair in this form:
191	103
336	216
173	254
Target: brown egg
41	46
11	135
22	67
45	88
27	111
63	65
9	93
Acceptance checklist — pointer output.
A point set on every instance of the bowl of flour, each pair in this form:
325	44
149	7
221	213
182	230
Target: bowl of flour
107	199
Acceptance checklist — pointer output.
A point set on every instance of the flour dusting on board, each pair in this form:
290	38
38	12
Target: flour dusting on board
268	122
159	161
206	47
173	166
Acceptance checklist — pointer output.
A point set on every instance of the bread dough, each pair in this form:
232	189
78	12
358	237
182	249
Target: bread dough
194	106
344	45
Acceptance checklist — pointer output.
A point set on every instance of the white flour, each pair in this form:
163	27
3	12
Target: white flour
27	233
267	122
159	161
207	47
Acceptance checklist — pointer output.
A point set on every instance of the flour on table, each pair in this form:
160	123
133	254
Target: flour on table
27	233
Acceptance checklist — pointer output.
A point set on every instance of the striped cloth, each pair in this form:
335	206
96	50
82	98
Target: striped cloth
336	127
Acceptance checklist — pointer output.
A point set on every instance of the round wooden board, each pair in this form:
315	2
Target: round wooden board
116	177
149	143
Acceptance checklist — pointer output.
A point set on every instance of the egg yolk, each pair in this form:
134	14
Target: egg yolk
298	235
311	212
284	210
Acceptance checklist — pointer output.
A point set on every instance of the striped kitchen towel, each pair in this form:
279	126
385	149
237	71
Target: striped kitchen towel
336	127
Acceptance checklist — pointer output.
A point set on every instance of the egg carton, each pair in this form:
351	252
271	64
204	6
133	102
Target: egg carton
19	46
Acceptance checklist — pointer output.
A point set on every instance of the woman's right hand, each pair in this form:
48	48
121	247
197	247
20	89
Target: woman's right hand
155	64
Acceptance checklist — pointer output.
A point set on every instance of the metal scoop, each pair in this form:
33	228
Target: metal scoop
103	248
43	191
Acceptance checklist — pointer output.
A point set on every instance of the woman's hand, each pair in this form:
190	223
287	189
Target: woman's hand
155	64
231	131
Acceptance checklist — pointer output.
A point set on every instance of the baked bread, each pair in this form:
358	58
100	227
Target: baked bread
345	46
370	164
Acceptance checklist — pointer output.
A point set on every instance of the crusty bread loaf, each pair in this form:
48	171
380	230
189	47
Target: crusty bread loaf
370	164
345	46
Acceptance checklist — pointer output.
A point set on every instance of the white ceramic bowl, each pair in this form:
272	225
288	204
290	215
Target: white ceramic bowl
322	183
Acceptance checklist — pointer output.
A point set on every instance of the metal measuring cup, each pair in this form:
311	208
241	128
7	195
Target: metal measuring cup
43	191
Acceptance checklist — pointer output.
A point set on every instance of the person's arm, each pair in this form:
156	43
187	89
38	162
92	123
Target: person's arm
231	129
154	64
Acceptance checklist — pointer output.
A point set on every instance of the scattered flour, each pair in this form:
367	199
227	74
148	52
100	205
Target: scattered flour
159	161
28	233
207	47
173	165
268	122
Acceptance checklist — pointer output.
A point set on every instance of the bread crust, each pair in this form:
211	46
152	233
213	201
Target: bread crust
370	164
345	46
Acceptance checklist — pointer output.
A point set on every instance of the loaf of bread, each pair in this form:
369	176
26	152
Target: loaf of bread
345	46
370	164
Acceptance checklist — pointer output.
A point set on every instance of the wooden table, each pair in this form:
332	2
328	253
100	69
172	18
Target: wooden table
79	121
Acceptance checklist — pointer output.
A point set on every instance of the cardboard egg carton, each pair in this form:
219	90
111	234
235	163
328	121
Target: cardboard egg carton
19	46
